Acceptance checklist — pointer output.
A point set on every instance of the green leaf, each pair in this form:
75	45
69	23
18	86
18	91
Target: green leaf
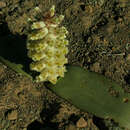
96	94
16	67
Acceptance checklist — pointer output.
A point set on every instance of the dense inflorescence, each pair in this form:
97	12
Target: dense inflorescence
47	47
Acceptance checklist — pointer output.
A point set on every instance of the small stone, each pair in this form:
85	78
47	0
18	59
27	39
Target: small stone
81	123
2	4
12	115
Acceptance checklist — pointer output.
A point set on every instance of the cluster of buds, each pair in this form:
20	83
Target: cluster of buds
47	47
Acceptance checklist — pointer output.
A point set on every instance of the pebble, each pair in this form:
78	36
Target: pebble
2	4
81	123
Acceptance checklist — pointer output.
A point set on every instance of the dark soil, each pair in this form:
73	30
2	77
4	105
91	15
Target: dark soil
99	41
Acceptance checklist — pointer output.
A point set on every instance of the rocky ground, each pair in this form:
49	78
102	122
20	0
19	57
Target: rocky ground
99	41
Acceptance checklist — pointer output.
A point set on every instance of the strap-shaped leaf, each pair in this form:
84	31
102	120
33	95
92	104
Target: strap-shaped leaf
96	94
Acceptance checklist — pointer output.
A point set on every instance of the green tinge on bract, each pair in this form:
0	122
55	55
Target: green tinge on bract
94	93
